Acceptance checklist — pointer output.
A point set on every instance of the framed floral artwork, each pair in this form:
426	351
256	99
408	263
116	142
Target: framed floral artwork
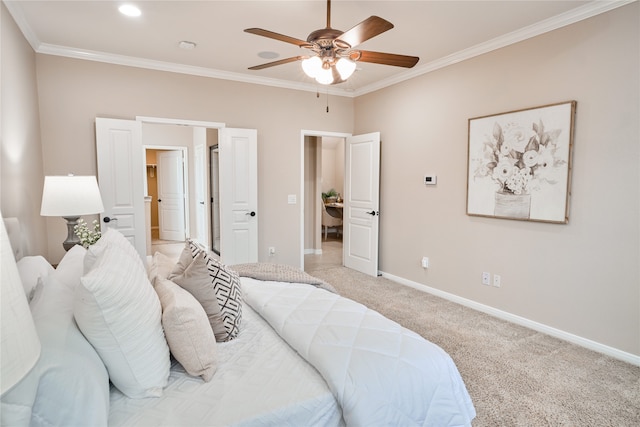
519	164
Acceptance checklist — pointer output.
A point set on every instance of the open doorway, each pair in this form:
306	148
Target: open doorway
183	209
167	198
323	181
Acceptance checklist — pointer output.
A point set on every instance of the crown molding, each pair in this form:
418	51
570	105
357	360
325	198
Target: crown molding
578	14
570	17
131	61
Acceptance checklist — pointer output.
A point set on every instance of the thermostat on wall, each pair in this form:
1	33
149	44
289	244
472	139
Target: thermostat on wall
430	179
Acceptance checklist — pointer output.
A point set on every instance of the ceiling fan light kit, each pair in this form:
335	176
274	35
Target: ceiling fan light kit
323	72
334	57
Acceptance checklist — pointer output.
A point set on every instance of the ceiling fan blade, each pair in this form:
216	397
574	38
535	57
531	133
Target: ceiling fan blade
274	63
388	59
281	37
370	27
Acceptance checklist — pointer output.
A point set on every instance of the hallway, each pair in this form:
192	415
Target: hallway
331	256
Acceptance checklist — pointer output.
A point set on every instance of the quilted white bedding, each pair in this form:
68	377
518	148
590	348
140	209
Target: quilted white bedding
303	357
380	372
260	381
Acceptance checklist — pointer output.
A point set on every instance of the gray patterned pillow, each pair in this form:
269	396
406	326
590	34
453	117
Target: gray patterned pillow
225	286
226	283
195	279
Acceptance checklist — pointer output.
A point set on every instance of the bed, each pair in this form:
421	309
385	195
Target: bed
194	342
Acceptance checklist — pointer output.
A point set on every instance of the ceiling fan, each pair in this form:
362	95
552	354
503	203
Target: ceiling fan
333	55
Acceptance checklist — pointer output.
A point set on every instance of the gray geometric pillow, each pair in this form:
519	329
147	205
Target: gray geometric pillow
226	283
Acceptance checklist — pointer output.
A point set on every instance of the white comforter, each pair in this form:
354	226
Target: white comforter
380	372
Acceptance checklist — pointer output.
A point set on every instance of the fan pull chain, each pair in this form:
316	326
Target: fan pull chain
327	100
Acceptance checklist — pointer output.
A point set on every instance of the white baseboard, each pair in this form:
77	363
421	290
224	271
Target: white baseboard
557	333
313	251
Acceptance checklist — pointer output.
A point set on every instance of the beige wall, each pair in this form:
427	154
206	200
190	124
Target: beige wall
583	277
73	93
333	164
22	175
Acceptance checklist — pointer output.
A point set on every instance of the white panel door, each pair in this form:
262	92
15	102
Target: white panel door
171	195
120	177
199	182
361	214
238	167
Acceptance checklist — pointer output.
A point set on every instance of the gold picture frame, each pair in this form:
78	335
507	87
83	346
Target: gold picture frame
519	164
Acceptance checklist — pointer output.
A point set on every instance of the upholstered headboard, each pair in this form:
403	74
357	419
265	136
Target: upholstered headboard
15	237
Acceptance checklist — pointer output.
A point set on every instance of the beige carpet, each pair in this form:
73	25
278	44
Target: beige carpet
515	376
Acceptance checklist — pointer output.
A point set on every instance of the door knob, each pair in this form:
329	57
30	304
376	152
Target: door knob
373	213
202	203
252	213
107	219
159	200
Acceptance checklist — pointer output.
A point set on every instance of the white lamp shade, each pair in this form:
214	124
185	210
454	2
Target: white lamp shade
19	342
311	66
345	67
70	196
325	76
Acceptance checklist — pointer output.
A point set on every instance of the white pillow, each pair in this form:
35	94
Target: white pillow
31	268
111	237
69	385
70	268
187	329
119	312
160	267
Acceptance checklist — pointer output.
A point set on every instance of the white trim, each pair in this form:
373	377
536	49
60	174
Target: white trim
313	251
131	61
304	133
182	122
536	326
578	14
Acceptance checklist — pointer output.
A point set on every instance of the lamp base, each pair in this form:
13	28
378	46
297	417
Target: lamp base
72	239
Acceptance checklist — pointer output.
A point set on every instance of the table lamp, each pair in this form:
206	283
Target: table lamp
70	197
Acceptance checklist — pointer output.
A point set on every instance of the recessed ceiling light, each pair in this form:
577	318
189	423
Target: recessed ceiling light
187	45
130	10
268	55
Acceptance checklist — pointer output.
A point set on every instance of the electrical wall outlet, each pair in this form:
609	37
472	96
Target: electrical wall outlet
430	179
272	250
425	262
496	280
486	277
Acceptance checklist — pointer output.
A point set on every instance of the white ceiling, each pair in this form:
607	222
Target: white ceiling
439	32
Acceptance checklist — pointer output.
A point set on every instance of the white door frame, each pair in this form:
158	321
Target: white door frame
185	177
303	134
200	178
183	122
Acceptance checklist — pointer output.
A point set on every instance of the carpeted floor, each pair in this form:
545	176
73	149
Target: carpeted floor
515	376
